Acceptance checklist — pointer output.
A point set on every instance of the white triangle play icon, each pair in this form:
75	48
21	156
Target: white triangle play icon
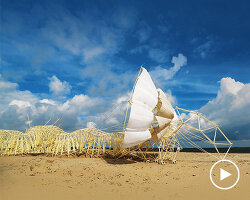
224	174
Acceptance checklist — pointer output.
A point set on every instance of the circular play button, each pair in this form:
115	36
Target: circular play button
224	174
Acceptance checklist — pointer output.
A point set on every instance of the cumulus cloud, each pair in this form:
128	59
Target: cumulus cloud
78	102
112	119
91	125
48	101
230	109
58	87
5	85
20	104
11	95
16	104
160	73
75	112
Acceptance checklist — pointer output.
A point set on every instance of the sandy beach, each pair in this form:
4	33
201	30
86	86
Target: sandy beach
43	177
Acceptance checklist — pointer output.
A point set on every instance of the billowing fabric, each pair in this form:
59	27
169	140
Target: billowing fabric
148	105
170	129
144	100
145	90
165	108
132	138
140	118
162	122
164	114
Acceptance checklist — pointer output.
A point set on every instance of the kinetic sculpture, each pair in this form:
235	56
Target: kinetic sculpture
152	124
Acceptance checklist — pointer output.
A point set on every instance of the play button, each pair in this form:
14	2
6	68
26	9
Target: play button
224	174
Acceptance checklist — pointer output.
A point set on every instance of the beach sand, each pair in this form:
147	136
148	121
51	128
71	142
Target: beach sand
43	177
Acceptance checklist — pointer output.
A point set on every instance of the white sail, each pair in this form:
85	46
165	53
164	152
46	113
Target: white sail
145	90
150	109
140	117
164	116
165	108
144	100
132	138
162	122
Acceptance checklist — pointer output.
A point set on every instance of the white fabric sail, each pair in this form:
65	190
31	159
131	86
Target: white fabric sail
144	100
145	90
150	109
140	117
165	108
164	116
162	122
169	129
132	138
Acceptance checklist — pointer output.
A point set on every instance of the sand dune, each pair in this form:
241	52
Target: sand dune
41	177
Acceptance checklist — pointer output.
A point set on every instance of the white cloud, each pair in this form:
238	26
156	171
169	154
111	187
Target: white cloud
16	104
75	112
10	95
112	120
48	101
20	104
122	98
6	86
160	73
91	125
78	102
231	108
178	62
58	87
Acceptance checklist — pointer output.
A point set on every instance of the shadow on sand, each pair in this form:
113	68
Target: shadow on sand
118	161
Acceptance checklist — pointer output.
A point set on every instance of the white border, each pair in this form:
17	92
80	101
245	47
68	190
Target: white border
238	171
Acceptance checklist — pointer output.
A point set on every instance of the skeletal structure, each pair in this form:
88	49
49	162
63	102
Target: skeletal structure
152	124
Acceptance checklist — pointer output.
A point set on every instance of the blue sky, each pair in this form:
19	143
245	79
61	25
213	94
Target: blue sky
90	52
